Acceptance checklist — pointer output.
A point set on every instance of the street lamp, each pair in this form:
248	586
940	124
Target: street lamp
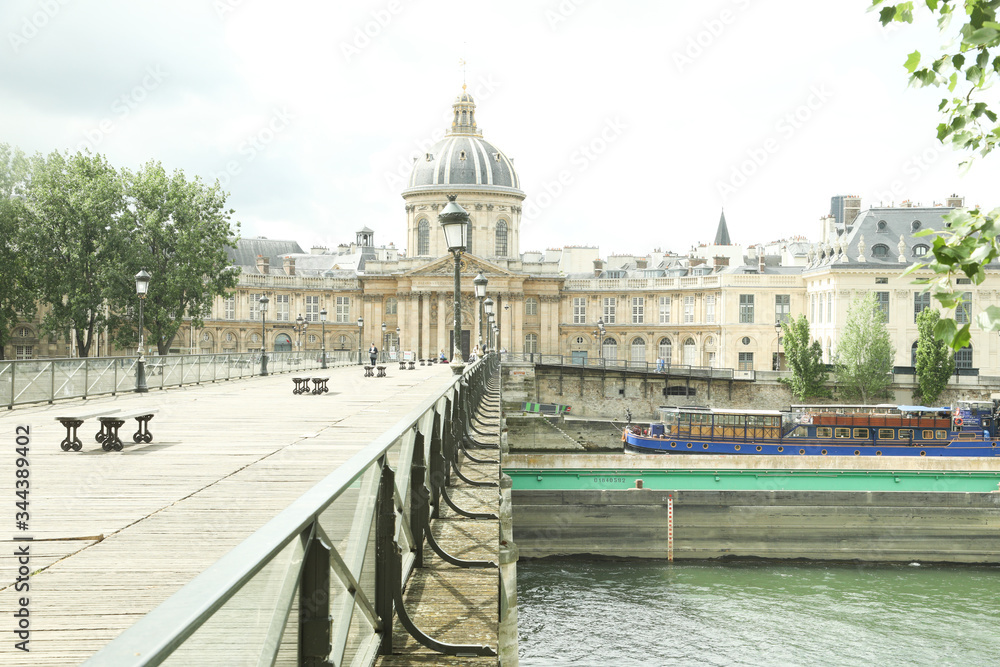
455	221
399	346
491	324
263	336
479	285
361	326
300	329
496	334
383	341
600	341
778	330
487	307
141	286
510	329
322	342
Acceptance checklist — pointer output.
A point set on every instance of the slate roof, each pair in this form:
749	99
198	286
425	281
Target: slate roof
722	233
246	251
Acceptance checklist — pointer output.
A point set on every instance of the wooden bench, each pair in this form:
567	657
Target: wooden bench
319	385
381	371
369	371
301	385
111	423
75	421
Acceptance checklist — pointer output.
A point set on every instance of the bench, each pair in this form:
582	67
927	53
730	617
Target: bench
369	371
301	385
381	372
319	385
108	435
402	365
75	421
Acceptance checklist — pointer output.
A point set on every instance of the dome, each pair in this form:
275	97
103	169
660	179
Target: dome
463	157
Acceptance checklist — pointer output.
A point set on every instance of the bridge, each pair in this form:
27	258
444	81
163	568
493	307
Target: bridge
253	518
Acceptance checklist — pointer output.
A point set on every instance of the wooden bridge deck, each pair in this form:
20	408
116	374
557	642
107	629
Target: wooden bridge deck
115	533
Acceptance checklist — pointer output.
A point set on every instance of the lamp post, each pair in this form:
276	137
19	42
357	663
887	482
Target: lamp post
777	330
455	221
479	285
600	340
383	342
496	334
510	329
300	329
263	336
322	340
487	307
361	326
399	346
141	286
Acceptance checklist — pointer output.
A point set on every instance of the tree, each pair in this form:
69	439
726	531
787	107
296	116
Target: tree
935	360
804	359
18	295
968	65
75	241
863	363
180	230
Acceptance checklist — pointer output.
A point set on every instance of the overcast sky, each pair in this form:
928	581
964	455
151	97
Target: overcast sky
631	124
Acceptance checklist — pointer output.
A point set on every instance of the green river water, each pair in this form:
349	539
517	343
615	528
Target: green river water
618	613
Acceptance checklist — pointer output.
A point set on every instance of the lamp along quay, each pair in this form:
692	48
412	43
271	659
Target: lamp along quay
322	340
479	285
263	335
455	221
361	329
141	287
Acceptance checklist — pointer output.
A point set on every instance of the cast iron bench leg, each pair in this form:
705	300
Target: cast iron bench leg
113	442
143	434
71	441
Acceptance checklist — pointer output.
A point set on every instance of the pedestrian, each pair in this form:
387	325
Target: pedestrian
373	353
441	357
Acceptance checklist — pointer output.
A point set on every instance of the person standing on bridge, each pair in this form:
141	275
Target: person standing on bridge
373	353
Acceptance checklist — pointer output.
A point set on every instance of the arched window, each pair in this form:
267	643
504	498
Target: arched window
920	250
963	357
913	354
880	250
609	349
881	227
390	306
531	343
915	225
638	351
666	349
500	247
689	352
423	237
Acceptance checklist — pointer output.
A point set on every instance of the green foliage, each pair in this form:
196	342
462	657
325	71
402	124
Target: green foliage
179	231
804	360
17	289
863	363
968	64
935	361
75	240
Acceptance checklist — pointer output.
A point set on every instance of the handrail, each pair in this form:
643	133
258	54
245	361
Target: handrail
427	429
26	381
683	370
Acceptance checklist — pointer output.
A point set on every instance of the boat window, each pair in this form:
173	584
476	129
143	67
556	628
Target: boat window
885	434
842	432
942	435
905	433
800	432
928	435
824	432
861	433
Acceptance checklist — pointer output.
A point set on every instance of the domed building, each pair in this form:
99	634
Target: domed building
464	164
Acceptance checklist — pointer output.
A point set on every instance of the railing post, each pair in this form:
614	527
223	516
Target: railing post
52	381
314	606
385	527
419	506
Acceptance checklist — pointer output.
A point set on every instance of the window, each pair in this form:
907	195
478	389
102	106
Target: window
24	351
609	309
312	309
312	338
500	246
829	308
638	352
254	338
824	432
664	310
710	309
963	357
914	226
881	227
880	250
812	307
531	306
391	305
579	310
782	307
281	307
881	281
665	349
822	307
423	238
882	299
746	361
609	349
24	332
688	309
229	304
861	433
531	343
746	308
963	310
690	358
921	300
638	306
906	434
207	337
886	434
841	432
343	309
254	306
941	435
927	435
920	250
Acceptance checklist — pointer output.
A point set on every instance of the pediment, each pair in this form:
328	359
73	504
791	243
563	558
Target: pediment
471	265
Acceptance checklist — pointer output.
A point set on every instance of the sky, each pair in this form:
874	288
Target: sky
632	125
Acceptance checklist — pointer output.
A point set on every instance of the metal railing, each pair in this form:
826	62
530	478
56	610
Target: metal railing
46	380
319	583
682	370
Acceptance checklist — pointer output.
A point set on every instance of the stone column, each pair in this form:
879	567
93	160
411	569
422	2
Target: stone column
441	342
425	325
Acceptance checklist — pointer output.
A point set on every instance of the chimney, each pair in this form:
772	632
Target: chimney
317	250
289	266
263	264
598	267
696	261
721	260
760	259
955	201
641	263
